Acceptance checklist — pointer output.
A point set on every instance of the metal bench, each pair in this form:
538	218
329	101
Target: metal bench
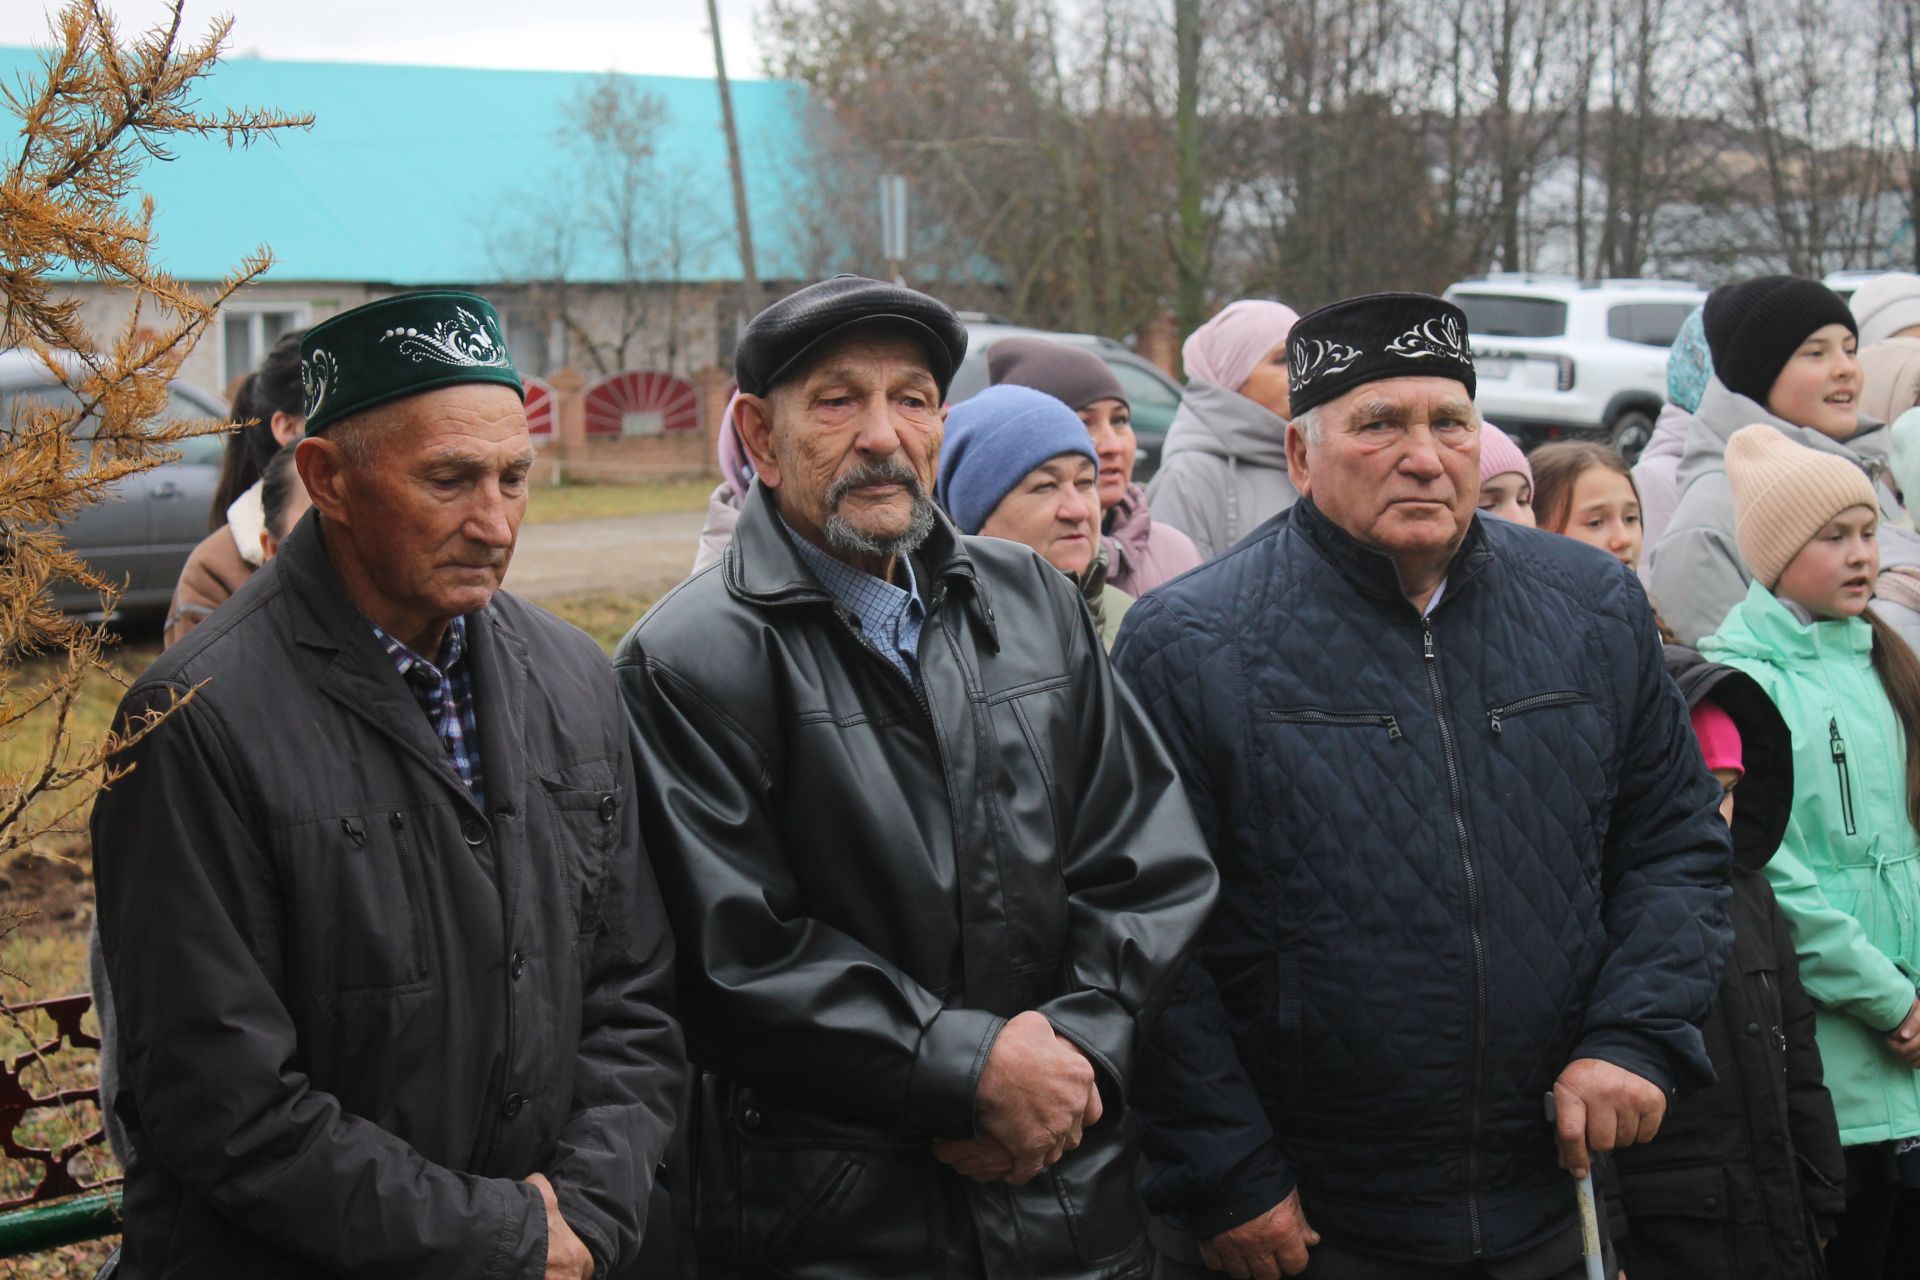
62	1207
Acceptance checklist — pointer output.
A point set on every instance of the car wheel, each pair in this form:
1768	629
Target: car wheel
1631	431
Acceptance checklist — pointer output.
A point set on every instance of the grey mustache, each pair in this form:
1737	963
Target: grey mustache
891	472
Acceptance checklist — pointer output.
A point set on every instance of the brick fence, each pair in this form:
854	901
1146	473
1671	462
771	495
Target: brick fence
572	455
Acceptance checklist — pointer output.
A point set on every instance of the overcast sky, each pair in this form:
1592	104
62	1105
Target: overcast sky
662	37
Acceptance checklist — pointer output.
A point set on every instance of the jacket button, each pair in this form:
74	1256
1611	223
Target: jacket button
475	831
607	808
1777	1138
751	1119
1753	1028
1710	1204
511	1107
519	966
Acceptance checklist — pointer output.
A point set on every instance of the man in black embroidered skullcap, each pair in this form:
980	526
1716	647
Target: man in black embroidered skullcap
392	975
929	869
1469	853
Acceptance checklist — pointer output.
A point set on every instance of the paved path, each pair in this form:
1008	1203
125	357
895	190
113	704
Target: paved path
643	555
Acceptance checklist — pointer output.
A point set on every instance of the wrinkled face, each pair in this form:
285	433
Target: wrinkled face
1833	575
1110	423
1267	385
849	445
1819	387
1055	509
425	502
1509	496
1397	464
1604	512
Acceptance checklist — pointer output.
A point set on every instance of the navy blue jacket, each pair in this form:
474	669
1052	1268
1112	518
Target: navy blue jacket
1456	854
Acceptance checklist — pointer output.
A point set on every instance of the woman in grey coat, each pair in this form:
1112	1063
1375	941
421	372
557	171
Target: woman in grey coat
1783	356
1223	471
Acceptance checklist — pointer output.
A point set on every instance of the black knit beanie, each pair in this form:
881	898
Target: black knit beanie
1073	375
1754	327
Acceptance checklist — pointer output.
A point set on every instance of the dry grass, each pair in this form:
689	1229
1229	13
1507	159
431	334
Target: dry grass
604	615
600	501
22	742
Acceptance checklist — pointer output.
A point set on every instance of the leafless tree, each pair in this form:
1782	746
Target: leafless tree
610	234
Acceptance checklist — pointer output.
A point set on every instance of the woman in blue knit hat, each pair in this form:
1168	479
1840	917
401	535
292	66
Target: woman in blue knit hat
1018	464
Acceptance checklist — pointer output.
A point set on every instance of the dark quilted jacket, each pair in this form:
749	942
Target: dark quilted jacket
1455	853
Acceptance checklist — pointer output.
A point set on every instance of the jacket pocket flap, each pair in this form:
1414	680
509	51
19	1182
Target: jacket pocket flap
760	1121
1698	1191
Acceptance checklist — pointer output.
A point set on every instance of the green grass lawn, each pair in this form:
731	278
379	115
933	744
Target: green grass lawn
551	505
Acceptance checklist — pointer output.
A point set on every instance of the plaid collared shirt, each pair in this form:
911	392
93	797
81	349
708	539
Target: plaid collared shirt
890	618
445	692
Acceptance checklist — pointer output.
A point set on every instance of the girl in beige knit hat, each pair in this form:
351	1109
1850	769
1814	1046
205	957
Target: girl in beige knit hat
1847	874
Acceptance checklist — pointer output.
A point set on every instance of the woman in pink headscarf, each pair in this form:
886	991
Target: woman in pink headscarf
1224	468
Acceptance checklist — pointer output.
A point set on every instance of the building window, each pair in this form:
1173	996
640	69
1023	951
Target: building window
249	330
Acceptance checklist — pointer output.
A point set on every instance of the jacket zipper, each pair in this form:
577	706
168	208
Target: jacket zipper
1313	715
416	895
1564	697
1839	749
1473	929
860	638
1779	1032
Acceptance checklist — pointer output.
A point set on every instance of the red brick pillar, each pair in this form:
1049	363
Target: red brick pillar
712	383
569	424
1160	341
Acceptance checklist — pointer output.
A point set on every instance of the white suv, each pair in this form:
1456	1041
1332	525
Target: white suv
1558	357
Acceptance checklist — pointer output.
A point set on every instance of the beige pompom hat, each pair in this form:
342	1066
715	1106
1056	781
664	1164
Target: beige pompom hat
1783	494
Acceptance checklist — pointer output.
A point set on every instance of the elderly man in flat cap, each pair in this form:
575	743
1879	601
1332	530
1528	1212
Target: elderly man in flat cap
392	975
929	868
1469	853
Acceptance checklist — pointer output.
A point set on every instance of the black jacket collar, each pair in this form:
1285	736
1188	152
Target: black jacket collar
1372	572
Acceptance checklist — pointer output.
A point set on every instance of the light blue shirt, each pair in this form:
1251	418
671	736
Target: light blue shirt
890	617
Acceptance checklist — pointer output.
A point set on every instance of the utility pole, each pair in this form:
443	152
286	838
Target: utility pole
749	275
893	224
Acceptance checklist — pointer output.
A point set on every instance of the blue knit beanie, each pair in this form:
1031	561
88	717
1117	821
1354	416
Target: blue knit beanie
1689	362
994	440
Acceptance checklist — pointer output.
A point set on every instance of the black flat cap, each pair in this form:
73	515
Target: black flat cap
779	340
1381	335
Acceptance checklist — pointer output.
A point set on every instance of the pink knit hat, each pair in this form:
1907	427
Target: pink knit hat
1719	738
1499	454
1784	493
1226	349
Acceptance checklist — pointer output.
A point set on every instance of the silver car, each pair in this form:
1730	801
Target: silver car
140	535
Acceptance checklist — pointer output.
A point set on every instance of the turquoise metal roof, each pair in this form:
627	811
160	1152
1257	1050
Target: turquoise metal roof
410	175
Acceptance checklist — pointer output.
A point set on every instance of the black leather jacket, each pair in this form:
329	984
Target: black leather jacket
867	877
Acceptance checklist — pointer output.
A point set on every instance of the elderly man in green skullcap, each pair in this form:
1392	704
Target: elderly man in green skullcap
391	974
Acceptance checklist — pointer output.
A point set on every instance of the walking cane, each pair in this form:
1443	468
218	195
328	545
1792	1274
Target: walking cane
1589	1210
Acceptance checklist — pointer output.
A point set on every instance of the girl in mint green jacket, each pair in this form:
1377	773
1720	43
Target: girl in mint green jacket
1847	874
